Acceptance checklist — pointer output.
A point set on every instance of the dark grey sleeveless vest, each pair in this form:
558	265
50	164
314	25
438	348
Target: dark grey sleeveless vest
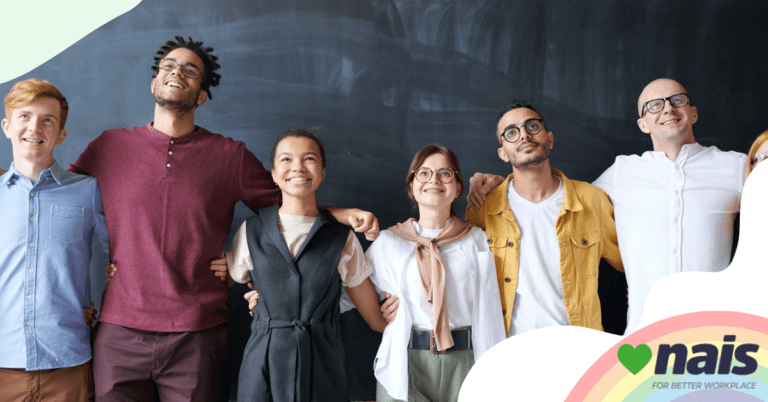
295	353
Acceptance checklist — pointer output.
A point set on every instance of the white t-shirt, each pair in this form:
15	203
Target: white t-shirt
673	216
539	294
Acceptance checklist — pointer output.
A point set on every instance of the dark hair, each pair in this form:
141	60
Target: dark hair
297	132
425	153
210	78
515	104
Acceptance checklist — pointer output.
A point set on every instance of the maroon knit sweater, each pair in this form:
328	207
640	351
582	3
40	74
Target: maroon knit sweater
169	204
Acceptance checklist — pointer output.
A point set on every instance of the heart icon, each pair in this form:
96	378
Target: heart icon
634	358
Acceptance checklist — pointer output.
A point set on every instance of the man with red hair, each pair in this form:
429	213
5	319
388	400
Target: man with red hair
50	217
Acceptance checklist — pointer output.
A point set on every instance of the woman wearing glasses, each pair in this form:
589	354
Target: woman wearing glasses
758	152
443	272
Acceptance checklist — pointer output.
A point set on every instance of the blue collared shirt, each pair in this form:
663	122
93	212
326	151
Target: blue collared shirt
45	247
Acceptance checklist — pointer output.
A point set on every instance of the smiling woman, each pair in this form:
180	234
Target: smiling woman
444	276
298	258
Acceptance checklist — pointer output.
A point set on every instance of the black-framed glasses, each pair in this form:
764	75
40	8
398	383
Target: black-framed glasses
532	126
423	175
759	157
657	105
188	70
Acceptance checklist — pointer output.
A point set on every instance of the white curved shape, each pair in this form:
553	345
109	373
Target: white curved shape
41	29
541	365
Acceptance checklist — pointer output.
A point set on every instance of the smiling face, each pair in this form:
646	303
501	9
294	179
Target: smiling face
175	91
34	131
298	167
434	193
530	150
671	125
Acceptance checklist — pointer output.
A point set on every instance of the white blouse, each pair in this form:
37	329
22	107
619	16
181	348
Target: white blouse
472	294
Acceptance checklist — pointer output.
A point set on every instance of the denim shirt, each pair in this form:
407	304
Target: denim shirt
45	247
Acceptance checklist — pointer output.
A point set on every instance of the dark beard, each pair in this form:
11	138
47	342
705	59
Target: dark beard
533	162
177	106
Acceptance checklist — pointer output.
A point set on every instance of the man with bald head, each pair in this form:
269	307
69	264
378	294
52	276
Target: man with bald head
674	206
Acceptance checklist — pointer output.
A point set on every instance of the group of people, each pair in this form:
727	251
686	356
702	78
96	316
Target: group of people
525	256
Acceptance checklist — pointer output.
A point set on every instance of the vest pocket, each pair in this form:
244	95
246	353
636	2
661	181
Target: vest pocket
67	223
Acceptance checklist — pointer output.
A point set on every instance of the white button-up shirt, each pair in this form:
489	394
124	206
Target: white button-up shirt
472	294
673	216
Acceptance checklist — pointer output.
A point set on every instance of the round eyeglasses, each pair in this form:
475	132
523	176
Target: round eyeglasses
657	105
423	175
188	70
512	134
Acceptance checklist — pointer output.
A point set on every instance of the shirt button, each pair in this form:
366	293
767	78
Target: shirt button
29	297
31	244
31	271
504	312
32	218
31	193
507	280
510	244
167	165
584	241
677	192
490	241
170	152
29	323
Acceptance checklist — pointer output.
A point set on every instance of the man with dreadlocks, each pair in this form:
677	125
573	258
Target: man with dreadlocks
169	190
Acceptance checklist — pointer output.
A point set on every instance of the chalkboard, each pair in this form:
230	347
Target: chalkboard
384	78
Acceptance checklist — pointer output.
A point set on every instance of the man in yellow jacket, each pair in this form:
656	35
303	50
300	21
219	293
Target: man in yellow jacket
547	233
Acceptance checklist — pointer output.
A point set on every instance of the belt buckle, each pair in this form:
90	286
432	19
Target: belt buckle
432	342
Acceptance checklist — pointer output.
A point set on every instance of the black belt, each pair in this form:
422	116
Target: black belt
425	340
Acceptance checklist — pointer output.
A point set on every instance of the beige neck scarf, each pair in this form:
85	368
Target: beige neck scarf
432	271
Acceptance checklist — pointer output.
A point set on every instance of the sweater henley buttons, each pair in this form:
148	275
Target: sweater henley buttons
167	165
507	280
510	244
170	152
171	141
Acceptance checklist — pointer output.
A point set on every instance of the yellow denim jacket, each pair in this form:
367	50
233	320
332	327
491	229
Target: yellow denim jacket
586	232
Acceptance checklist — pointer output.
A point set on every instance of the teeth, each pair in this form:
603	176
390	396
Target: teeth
173	84
669	122
33	141
299	179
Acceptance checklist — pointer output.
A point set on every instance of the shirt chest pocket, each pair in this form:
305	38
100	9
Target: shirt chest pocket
501	247
585	249
67	223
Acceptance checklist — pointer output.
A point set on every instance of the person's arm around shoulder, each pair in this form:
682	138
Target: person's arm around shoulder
360	221
355	270
235	265
479	186
476	216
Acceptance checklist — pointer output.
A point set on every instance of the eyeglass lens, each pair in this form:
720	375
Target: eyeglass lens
656	105
532	126
444	175
189	71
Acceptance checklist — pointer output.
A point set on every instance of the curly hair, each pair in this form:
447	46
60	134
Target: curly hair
210	77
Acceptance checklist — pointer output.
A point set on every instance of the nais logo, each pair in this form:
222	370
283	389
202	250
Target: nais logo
706	358
691	357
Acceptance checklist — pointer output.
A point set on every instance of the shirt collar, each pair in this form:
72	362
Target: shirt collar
497	198
687	151
54	171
